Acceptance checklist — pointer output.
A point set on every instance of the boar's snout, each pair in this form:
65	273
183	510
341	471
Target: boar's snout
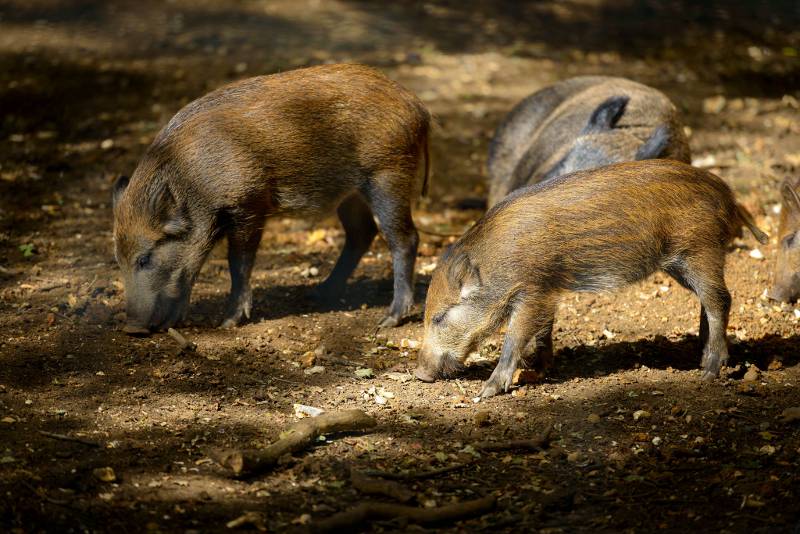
785	290
154	315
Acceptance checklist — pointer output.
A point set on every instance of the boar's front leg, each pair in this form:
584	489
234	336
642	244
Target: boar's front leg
242	248
530	325
392	208
359	231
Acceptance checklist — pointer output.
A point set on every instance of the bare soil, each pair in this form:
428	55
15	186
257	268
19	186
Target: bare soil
640	443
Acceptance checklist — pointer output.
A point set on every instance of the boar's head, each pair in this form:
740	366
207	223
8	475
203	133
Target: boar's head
787	266
159	250
459	313
601	144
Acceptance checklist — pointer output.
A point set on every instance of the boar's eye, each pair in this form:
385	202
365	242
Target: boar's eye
144	261
788	241
438	318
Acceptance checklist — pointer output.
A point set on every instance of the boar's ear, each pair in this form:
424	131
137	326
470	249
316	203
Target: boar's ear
656	144
790	197
169	211
118	188
465	274
608	113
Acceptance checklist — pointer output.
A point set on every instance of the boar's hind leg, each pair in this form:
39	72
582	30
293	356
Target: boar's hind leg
704	274
359	231
242	248
531	324
393	211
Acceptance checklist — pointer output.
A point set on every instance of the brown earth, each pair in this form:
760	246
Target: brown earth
639	442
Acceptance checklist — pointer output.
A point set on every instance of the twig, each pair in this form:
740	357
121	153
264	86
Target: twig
377	486
536	444
296	438
64	437
342	361
419	474
42	495
182	341
366	511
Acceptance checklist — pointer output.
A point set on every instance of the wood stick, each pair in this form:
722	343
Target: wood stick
419	474
64	437
366	511
182	341
297	437
536	444
377	486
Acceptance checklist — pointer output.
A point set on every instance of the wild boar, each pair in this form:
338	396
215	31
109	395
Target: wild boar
580	124
301	143
787	266
588	231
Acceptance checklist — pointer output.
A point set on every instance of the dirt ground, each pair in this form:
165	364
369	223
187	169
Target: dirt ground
639	443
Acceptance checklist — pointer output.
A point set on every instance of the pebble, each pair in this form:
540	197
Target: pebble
752	374
593	418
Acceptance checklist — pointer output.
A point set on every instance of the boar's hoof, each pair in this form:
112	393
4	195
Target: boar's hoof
708	376
390	321
133	330
424	375
490	389
229	322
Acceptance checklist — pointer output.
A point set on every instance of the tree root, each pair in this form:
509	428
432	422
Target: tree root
366	511
377	486
297	437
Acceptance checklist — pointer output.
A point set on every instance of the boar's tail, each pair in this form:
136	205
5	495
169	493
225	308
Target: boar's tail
748	221
427	157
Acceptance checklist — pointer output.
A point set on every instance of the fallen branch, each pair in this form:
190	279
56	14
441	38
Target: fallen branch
367	511
297	437
64	437
419	474
536	444
377	486
185	345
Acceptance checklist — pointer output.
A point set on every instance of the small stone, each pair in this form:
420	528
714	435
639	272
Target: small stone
107	144
308	359
104	474
316	370
752	374
656	441
574	457
756	254
791	414
483	418
640	414
593	418
364	372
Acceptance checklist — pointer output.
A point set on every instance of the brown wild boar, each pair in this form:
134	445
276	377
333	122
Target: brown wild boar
579	124
301	143
589	231
787	266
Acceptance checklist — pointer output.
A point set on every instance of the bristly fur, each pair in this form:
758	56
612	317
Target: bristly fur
305	143
582	123
594	230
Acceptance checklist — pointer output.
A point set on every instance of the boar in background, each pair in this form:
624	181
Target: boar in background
579	124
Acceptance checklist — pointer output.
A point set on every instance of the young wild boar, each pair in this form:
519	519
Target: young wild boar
301	143
787	267
588	231
582	123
